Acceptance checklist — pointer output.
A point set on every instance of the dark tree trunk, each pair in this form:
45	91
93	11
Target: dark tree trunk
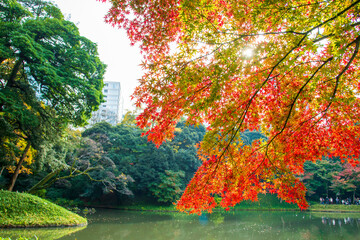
354	196
18	167
11	79
14	72
43	183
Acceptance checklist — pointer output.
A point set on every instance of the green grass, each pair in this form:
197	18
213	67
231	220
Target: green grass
334	208
266	202
26	210
147	207
20	238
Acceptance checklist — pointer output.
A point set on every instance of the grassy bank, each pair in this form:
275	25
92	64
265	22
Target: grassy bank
266	203
334	208
26	210
21	238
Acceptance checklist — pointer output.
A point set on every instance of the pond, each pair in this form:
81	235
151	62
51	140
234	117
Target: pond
129	225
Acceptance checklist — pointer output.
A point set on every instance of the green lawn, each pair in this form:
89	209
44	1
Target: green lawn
21	238
24	210
334	208
266	202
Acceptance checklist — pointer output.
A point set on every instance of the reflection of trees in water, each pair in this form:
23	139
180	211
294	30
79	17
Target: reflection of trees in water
340	221
112	224
40	233
217	217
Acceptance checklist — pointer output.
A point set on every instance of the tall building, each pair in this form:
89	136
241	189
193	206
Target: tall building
110	110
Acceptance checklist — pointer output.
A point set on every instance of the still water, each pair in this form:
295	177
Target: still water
253	225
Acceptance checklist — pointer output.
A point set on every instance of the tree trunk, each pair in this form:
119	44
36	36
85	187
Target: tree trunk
18	166
14	72
41	184
11	79
354	196
327	190
2	169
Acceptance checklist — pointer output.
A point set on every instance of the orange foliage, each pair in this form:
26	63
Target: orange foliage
299	86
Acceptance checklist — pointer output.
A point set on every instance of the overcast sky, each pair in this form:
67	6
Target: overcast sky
114	48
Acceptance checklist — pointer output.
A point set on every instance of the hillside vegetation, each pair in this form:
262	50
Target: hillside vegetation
26	210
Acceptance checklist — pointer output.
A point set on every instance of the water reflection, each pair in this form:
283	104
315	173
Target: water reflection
39	233
203	219
114	225
340	221
232	225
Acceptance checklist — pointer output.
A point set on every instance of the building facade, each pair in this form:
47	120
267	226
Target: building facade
110	110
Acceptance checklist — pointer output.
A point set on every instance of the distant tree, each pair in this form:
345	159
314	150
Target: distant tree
50	77
318	177
169	189
348	180
149	166
184	146
128	119
74	159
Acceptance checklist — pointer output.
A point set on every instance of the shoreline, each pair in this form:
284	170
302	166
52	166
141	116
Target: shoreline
163	209
43	226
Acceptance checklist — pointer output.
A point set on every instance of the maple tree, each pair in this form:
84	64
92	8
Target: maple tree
289	69
347	180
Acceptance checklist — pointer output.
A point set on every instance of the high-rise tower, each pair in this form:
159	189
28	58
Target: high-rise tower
110	110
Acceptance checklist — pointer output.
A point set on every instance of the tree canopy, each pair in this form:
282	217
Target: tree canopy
287	68
159	174
50	77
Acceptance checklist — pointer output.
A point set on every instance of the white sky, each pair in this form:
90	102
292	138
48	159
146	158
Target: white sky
114	48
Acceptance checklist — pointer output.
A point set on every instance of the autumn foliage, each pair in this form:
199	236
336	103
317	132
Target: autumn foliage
289	69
